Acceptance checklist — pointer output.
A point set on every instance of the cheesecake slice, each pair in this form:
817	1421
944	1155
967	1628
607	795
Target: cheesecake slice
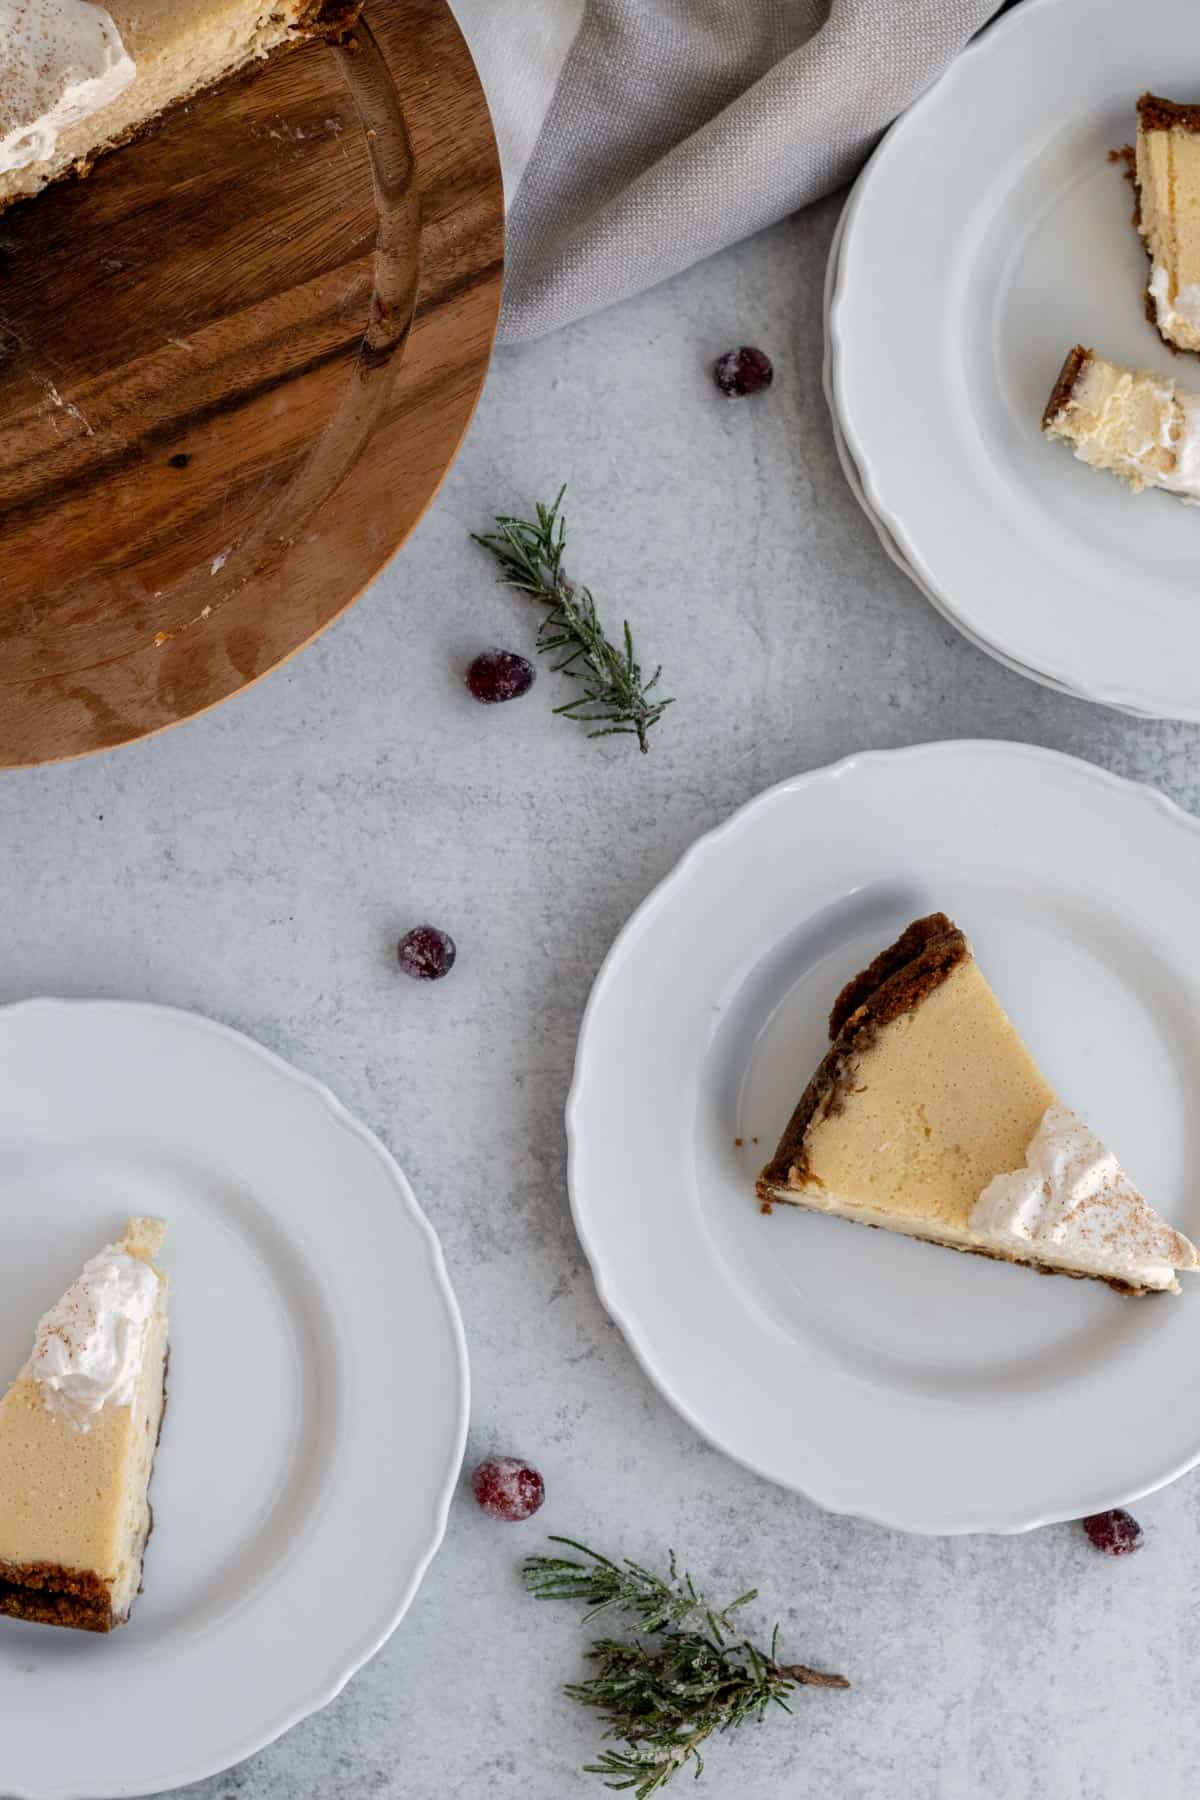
1167	178
1135	424
929	1117
78	1431
77	78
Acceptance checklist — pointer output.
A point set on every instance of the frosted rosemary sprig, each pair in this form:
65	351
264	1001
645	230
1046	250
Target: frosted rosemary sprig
687	1675
614	696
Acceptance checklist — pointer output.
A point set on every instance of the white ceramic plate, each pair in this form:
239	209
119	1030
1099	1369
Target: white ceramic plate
988	234
877	1375
317	1396
888	542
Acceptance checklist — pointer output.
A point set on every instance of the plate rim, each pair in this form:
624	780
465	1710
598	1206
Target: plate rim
1108	693
347	1665
888	543
1169	811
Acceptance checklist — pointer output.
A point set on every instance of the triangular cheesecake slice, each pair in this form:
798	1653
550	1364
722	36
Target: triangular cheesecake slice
78	1431
928	1116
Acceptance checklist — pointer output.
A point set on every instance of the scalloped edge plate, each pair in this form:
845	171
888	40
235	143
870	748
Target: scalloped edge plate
879	1377
307	1287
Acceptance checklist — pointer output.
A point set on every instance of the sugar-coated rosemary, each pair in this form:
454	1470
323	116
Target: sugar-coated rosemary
687	1674
614	695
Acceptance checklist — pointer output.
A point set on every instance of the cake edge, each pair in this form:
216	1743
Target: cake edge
1074	364
1128	1289
898	979
75	1599
1156	114
322	20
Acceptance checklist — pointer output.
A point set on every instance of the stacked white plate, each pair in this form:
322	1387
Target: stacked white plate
989	233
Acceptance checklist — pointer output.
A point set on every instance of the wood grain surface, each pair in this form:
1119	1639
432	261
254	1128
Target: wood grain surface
235	363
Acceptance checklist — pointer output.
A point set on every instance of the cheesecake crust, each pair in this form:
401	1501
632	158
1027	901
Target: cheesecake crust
900	977
1156	114
47	1594
1060	394
912	943
1020	1262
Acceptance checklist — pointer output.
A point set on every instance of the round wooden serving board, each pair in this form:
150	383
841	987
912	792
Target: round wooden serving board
235	363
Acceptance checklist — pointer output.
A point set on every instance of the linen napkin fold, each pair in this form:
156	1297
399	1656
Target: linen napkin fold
638	136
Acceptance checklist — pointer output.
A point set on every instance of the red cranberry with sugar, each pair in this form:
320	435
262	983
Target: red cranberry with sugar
508	1488
1116	1533
744	371
426	953
498	675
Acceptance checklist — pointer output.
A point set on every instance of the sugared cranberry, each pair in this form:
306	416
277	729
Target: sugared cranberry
498	675
744	371
508	1488
426	953
1117	1533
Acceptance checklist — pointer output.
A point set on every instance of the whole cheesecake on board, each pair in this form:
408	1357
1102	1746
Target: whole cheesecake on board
1167	179
929	1117
78	1431
78	78
1140	426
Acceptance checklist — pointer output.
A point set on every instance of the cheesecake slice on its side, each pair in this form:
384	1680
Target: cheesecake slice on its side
78	1431
78	78
1142	427
1167	178
929	1117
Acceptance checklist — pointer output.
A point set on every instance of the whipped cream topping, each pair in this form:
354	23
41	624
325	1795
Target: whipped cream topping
87	1350
1073	1204
60	61
1183	310
1182	436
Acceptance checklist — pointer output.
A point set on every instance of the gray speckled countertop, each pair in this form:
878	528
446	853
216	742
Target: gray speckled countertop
258	864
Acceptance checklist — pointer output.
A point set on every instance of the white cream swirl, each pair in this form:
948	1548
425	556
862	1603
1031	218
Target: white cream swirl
1073	1206
1182	438
60	61
1178	316
87	1352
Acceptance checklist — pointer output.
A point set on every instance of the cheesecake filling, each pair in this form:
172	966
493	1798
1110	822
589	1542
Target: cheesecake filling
60	62
89	1349
1073	1204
